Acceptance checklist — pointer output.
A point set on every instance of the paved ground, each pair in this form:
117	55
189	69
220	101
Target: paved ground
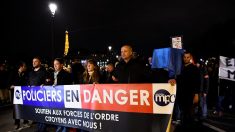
226	122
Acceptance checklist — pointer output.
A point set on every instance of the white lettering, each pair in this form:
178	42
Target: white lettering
96	96
123	99
107	96
144	95
87	96
133	96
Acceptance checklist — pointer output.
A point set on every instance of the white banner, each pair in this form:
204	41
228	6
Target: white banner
227	68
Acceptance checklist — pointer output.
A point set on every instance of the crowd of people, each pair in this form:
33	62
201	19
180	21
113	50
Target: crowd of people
193	84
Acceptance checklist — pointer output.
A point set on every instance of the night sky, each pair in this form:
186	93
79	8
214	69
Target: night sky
207	26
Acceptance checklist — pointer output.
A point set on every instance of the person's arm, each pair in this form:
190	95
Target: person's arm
115	74
196	79
207	84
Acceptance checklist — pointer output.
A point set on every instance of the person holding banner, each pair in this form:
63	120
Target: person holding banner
61	77
38	77
18	78
130	70
91	75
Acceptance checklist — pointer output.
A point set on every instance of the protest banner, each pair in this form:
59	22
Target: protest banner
98	107
227	68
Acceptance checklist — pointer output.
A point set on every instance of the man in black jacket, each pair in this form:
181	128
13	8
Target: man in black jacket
189	84
130	70
61	77
38	77
18	78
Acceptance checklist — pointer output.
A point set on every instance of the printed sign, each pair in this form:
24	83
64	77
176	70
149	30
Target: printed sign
227	68
99	107
176	42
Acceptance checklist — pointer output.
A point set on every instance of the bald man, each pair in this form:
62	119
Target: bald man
130	70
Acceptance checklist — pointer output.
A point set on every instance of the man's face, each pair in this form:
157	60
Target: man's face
57	65
126	52
187	58
24	68
36	63
109	68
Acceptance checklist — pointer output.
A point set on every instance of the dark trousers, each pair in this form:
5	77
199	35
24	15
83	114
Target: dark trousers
41	127
17	122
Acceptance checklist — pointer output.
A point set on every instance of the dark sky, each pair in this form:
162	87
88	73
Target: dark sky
207	26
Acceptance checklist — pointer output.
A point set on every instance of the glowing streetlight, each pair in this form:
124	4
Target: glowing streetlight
110	48
53	8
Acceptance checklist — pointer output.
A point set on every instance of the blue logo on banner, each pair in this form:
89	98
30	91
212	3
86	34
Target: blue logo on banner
46	96
17	94
162	97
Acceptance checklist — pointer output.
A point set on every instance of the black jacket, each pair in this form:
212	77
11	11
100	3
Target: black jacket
188	84
107	77
204	80
131	72
18	79
37	78
77	71
64	78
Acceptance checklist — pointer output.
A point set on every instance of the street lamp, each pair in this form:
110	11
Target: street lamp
53	8
110	52
110	48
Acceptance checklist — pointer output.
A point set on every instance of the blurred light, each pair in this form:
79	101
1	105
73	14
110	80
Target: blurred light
110	48
53	8
230	106
117	56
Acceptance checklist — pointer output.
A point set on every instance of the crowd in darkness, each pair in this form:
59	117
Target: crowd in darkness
198	82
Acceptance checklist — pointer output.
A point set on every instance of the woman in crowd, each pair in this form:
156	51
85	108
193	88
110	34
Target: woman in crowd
91	74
